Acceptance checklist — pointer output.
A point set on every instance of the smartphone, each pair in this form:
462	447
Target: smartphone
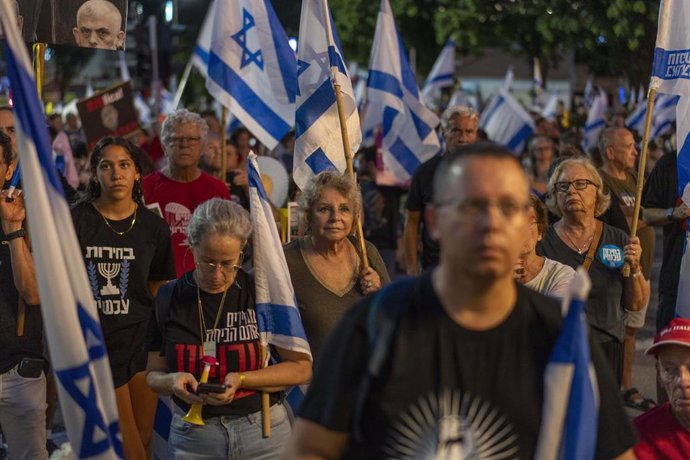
211	388
30	368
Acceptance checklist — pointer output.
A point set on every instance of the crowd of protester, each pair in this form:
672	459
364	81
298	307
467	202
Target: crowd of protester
493	240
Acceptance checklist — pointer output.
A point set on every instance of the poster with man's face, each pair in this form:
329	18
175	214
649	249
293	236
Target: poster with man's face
84	23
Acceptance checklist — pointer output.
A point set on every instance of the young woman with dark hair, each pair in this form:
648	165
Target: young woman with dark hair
128	256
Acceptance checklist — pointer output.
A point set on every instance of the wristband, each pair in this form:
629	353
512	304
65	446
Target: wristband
242	379
21	233
669	214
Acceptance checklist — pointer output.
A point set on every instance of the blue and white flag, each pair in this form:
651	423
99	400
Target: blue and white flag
70	318
508	79
507	122
570	411
589	93
683	140
671	68
318	139
252	69
537	81
664	115
442	74
277	315
395	104
550	111
636	119
596	121
202	49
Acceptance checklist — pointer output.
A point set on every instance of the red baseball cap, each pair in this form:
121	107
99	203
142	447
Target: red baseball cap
677	332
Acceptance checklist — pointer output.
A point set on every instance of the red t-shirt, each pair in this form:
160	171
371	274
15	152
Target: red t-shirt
177	201
661	436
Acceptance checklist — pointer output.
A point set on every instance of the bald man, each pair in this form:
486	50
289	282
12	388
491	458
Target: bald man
98	26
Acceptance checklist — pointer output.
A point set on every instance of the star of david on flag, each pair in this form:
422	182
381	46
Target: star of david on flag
70	318
252	69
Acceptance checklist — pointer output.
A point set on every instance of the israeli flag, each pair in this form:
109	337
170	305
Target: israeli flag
202	49
537	81
442	73
589	93
683	136
318	139
507	122
636	119
395	104
671	68
570	409
550	111
664	115
70	318
596	121
508	79
252	69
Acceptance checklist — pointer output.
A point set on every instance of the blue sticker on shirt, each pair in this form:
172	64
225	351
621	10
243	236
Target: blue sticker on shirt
611	256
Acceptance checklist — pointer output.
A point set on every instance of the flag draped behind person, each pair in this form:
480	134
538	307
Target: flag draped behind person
571	394
70	318
596	121
395	104
670	76
252	69
507	122
318	145
442	74
277	315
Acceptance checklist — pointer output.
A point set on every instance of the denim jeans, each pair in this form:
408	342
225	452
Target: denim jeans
229	437
23	415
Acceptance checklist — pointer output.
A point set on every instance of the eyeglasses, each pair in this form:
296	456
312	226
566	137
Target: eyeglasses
189	140
476	207
211	267
579	184
669	374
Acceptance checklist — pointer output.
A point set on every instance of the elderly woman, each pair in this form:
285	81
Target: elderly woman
579	238
210	312
539	273
326	265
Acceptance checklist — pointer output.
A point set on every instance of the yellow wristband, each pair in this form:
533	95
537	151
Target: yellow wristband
242	379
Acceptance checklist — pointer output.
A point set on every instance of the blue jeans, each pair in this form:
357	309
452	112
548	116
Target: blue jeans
229	437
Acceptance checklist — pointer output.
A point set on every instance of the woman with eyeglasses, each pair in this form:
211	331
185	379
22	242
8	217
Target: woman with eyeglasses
209	313
577	196
128	256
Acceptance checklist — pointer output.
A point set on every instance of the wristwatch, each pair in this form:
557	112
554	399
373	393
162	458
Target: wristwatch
669	214
21	233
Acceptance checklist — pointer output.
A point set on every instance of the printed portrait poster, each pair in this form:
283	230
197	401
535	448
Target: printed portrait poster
108	113
98	24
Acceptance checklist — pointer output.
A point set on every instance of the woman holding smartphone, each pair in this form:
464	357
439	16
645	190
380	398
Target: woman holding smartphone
128	256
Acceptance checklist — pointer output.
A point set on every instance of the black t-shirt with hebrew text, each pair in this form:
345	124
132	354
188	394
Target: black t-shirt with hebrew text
445	391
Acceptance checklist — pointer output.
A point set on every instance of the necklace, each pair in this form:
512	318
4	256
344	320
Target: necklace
582	249
208	346
131	226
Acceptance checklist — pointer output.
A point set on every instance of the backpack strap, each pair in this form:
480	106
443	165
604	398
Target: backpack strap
161	306
384	312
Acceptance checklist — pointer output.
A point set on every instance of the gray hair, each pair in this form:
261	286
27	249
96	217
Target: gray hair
219	217
533	142
603	198
183	117
341	183
457	111
607	139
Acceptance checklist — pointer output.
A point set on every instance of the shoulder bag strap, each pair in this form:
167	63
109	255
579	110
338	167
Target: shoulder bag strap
595	244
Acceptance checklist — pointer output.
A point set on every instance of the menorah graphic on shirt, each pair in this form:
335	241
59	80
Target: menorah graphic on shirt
109	271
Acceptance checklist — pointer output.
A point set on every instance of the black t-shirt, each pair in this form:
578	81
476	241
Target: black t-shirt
444	385
661	191
605	313
381	214
421	194
13	347
119	268
238	347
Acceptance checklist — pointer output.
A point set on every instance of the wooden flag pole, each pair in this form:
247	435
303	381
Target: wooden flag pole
223	173
350	170
640	171
265	397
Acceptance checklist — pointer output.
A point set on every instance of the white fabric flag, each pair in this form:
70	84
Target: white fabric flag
596	121
252	69
507	122
202	49
318	139
442	73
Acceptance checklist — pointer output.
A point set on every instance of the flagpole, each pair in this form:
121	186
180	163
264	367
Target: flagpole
359	232
223	173
642	163
183	83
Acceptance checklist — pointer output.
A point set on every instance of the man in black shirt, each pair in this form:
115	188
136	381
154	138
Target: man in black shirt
459	125
463	373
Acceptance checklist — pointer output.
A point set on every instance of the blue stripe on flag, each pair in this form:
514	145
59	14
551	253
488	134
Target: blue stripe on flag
409	80
662	69
684	166
638	118
593	126
404	156
389	114
313	108
499	102
255	181
245	96
335	60
202	53
318	161
423	129
93	337
384	82
161	424
286	57
444	77
520	137
279	319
